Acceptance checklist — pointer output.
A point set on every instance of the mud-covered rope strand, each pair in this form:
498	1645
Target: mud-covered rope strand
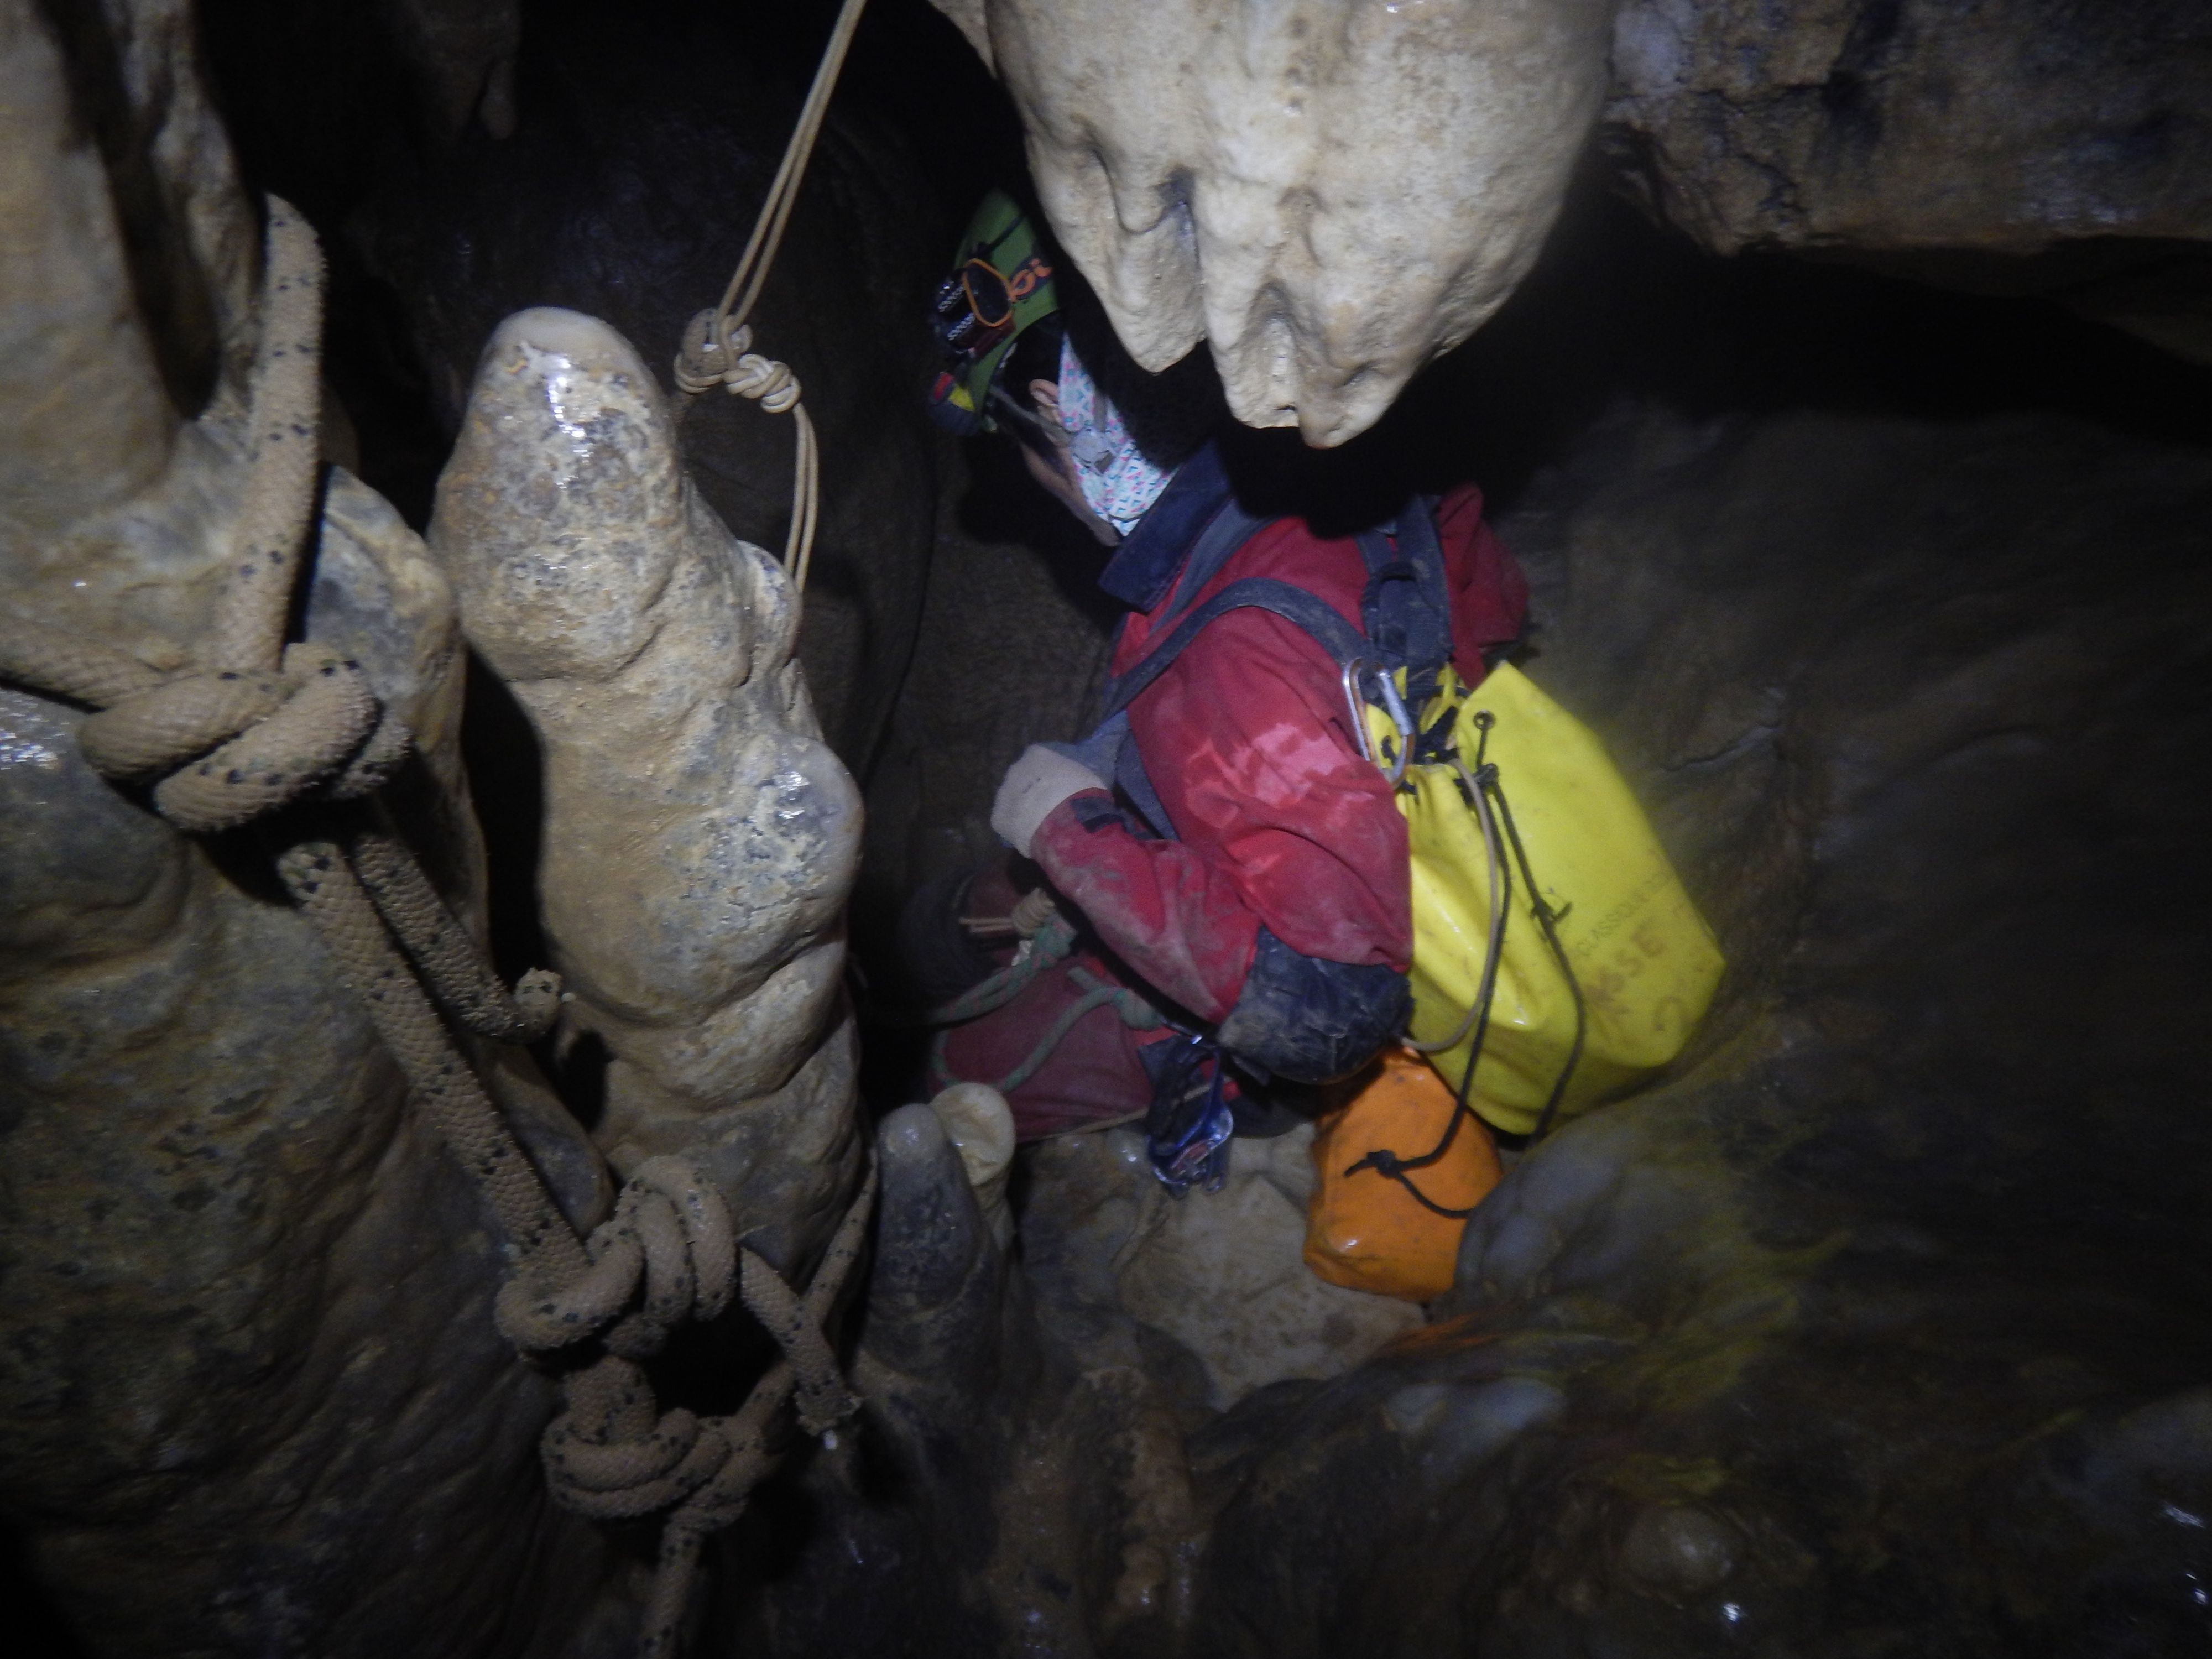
444	952
285	411
322	883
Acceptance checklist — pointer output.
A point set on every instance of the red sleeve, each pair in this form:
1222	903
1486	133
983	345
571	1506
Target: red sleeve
1283	824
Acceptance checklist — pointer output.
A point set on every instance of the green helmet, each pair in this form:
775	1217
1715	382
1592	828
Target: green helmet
1001	286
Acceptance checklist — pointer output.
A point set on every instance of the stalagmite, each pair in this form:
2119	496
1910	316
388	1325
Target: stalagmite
699	838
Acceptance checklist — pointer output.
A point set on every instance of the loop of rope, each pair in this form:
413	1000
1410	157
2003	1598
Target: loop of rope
234	746
705	363
717	348
718	351
612	1455
264	725
1050	943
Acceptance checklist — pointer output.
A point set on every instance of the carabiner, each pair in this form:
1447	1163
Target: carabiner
1355	703
1404	721
1355	700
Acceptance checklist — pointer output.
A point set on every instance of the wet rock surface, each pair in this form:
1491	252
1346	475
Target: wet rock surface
1927	124
1218	1274
1941	137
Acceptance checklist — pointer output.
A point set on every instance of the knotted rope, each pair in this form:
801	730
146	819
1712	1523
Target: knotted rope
263	725
717	348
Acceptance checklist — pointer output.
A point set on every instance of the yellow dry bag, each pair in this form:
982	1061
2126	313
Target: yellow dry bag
1528	837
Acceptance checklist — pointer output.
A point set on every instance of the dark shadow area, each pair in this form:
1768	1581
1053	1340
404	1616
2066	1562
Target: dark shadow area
1003	503
33	1626
507	779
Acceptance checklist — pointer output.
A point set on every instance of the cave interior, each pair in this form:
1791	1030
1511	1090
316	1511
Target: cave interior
1873	547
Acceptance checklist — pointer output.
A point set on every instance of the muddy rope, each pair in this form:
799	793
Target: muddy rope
717	349
261	725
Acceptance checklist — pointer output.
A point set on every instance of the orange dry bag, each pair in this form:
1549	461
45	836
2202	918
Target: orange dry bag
1369	1233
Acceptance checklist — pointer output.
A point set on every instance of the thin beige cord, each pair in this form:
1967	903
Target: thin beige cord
717	348
752	274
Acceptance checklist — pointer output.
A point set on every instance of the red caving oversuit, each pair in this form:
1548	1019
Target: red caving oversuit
1281	823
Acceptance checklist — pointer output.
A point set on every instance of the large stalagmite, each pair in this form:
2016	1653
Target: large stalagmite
698	839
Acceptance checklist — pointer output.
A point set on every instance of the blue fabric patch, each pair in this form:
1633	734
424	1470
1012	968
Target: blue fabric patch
1144	564
1312	1020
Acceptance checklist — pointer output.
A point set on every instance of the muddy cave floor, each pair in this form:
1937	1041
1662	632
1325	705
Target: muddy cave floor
1875	1326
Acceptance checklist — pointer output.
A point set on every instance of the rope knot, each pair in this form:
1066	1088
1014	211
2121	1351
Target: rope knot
705	362
229	745
611	1456
1383	1161
666	1254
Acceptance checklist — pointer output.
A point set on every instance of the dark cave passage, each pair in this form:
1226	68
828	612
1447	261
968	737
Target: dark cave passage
1872	548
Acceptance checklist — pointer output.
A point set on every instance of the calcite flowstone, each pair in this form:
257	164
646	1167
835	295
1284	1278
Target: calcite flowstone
1329	194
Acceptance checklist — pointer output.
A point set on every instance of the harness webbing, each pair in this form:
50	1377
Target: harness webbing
1294	604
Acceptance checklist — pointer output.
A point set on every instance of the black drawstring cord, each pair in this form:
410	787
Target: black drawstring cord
1384	1162
1548	918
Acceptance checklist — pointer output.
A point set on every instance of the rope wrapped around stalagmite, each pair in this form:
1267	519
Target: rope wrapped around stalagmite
260	725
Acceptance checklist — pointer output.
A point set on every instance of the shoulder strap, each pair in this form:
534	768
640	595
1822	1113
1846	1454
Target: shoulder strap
1220	542
1132	780
1317	616
1405	607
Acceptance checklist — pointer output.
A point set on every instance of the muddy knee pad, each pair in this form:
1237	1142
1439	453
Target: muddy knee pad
1313	1021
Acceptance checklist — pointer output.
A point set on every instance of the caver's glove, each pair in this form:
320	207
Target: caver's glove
1035	783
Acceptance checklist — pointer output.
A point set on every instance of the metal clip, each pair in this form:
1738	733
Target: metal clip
1355	700
1404	723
